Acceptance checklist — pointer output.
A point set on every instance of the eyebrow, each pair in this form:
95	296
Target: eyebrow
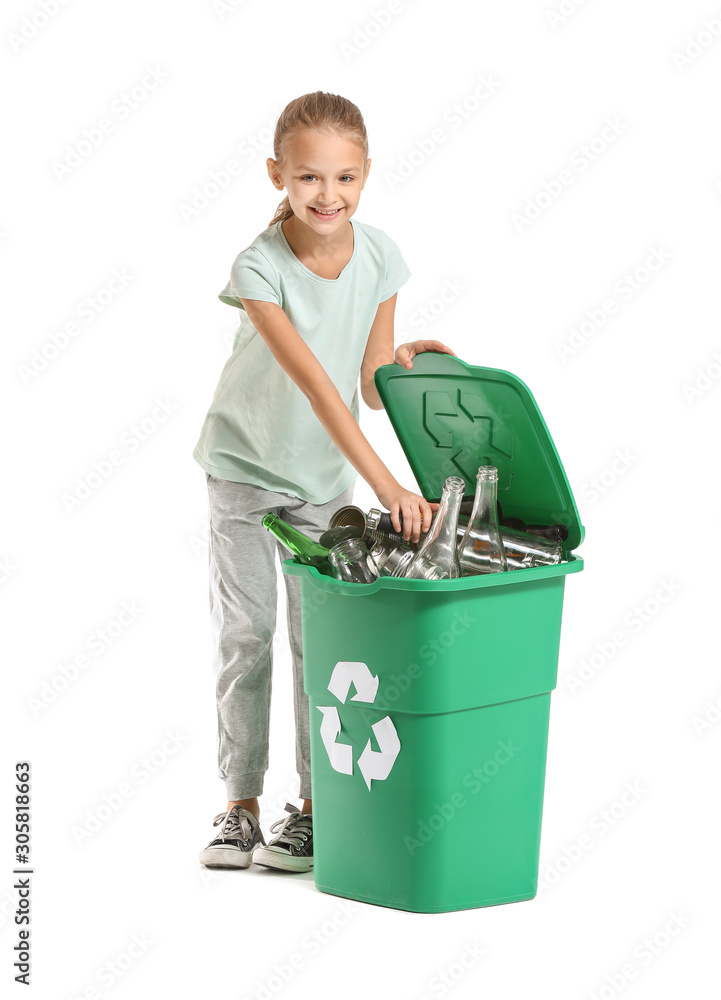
346	170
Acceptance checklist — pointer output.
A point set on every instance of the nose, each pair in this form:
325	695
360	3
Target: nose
327	194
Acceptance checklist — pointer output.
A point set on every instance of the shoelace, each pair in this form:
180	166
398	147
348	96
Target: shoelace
236	825
294	829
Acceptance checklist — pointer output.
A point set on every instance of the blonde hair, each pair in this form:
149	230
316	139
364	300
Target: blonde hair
319	112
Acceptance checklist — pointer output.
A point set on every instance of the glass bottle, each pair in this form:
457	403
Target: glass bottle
553	532
302	547
351	561
523	548
436	557
483	535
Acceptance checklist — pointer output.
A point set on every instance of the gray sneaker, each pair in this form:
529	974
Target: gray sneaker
292	848
240	834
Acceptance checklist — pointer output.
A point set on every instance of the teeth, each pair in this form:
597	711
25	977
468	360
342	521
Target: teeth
320	212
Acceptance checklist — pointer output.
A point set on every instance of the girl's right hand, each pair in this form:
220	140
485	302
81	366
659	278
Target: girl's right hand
416	511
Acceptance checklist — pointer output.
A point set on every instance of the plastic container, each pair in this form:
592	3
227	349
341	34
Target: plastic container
429	700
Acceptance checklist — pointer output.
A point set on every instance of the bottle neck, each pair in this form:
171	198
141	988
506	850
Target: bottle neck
445	523
486	507
298	543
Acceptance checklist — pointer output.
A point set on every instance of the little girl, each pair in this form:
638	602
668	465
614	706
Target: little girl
317	293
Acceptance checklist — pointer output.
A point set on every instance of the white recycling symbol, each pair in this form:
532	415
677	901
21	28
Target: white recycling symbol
372	763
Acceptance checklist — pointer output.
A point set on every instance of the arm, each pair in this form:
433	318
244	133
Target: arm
379	351
298	361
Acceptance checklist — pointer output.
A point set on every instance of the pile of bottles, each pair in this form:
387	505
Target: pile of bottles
358	547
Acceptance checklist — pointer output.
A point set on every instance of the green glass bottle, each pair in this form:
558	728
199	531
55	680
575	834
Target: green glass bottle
302	547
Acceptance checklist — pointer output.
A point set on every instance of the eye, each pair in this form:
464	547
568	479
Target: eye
305	176
351	179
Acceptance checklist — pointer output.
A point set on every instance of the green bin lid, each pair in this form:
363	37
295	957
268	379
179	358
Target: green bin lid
451	417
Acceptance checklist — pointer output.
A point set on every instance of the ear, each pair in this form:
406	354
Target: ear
274	173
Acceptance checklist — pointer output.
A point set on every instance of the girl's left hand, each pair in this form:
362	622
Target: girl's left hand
406	352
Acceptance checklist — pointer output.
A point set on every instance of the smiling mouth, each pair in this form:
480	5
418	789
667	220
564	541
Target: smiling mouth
325	214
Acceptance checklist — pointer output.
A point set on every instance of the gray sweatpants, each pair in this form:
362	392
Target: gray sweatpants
243	620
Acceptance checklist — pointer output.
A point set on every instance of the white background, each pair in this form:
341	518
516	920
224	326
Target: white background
638	445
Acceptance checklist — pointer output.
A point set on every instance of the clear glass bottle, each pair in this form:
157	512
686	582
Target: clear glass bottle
523	548
351	561
483	534
436	557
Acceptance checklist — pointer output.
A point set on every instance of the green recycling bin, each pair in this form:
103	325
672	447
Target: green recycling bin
429	700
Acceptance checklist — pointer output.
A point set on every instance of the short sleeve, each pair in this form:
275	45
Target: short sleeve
252	276
397	271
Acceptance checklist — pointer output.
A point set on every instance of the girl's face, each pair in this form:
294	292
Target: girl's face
324	176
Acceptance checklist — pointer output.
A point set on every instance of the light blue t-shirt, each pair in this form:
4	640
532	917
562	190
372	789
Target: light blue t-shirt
260	427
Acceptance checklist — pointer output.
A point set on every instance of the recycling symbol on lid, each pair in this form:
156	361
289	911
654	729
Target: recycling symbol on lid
372	763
